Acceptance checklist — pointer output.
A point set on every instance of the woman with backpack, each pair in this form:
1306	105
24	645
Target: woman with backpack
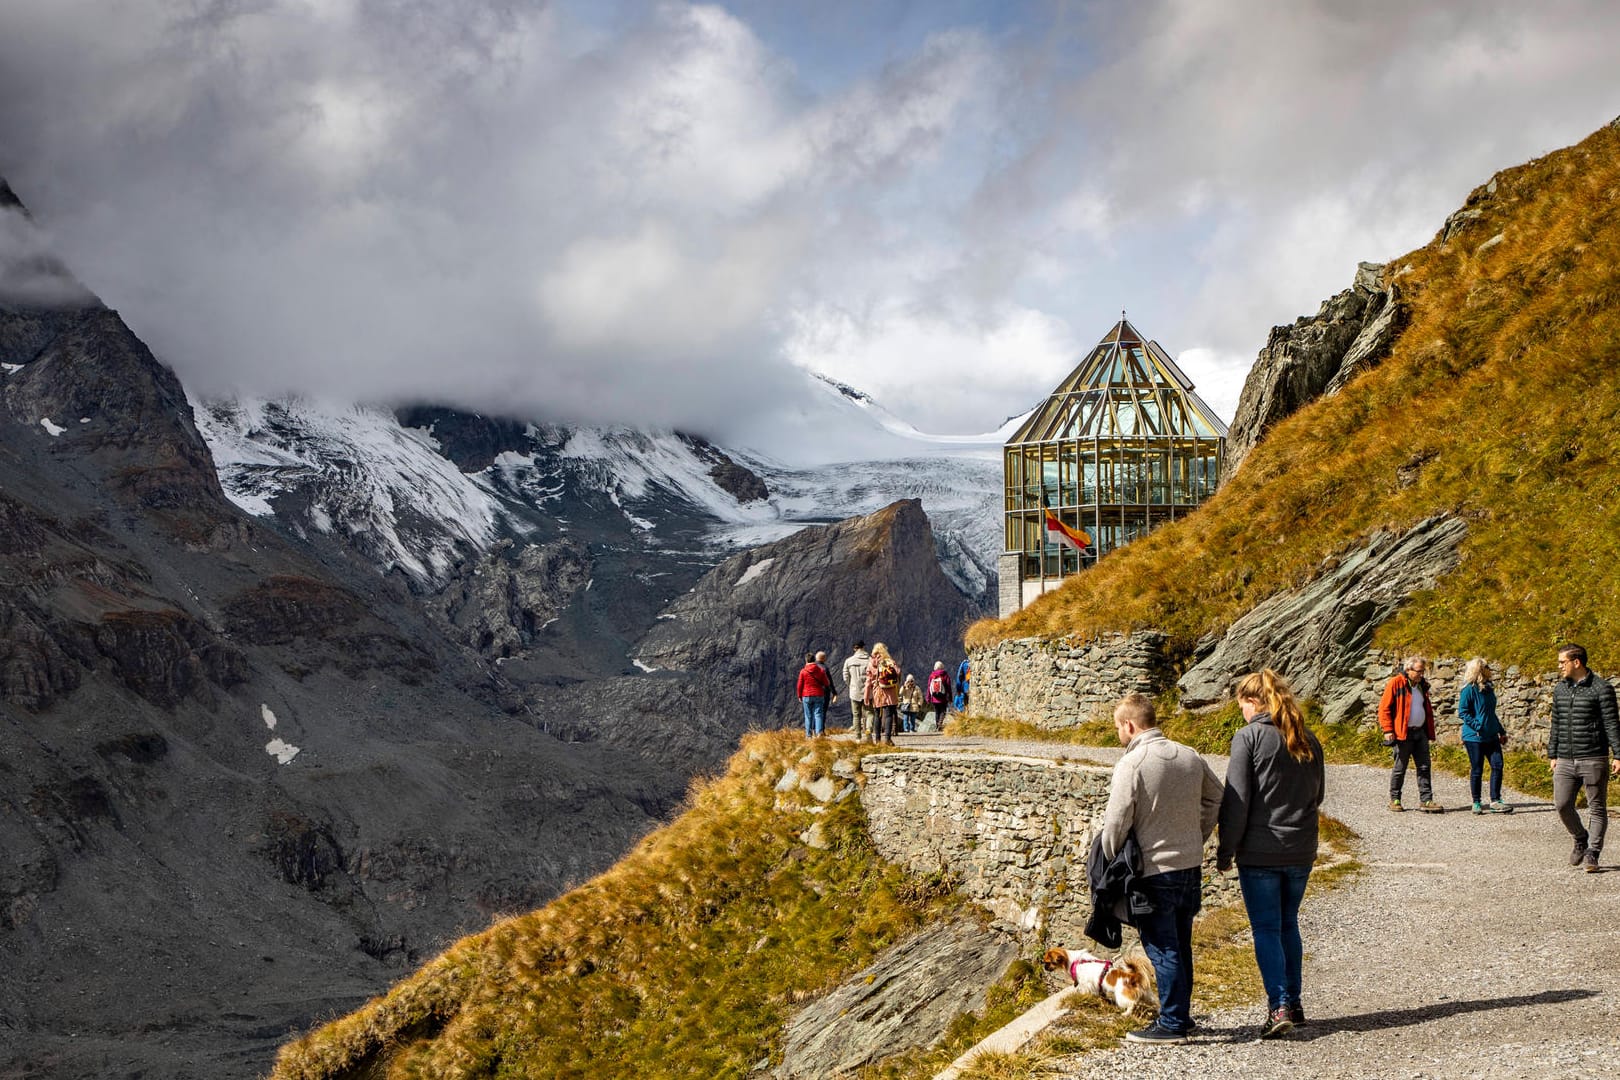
939	693
882	692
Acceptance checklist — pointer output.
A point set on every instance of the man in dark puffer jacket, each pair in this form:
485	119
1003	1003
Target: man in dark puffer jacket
1585	726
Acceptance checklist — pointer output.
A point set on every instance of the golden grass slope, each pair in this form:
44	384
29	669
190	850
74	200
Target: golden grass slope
685	959
1500	402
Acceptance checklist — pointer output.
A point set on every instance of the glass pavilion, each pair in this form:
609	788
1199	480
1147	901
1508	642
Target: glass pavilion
1122	446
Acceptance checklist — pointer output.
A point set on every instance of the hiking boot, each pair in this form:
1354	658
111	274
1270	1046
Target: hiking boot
1478	809
1429	806
1590	862
1500	807
1278	1022
1296	1013
1153	1033
1579	853
1395	805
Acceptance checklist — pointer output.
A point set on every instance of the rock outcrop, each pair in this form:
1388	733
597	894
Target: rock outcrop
906	999
1317	355
1318	635
753	618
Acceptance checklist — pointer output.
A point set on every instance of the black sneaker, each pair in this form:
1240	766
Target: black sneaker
1590	862
1278	1022
1579	853
1296	1013
1153	1033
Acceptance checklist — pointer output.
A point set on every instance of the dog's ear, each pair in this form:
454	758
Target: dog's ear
1053	959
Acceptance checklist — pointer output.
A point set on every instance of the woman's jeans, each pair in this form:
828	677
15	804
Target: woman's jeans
1478	754
1271	894
815	716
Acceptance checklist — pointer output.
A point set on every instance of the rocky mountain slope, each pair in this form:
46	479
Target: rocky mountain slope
1480	445
268	742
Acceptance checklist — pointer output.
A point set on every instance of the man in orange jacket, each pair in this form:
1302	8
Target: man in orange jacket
1406	713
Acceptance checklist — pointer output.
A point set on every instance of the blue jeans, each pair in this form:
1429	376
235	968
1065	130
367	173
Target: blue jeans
1167	939
815	716
1271	895
1478	754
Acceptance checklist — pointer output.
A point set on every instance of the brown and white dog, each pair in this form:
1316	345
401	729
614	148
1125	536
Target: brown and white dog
1124	981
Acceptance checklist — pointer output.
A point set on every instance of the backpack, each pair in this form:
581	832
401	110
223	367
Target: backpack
936	686
887	674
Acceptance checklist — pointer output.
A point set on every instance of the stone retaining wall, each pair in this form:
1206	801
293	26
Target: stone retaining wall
1065	682
1061	683
1013	832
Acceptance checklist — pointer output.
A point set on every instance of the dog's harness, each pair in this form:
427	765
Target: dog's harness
1074	972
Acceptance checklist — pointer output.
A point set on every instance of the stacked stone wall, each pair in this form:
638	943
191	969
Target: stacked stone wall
1061	683
1013	833
1055	684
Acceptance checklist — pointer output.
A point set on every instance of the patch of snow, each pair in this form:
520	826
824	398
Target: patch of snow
669	616
387	487
643	667
12	369
281	751
511	459
589	583
548	622
269	717
754	571
84	419
54	429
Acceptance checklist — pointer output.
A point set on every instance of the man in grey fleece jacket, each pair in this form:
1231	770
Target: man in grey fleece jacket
1168	795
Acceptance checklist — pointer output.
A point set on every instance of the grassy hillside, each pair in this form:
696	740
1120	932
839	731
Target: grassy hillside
1499	402
685	959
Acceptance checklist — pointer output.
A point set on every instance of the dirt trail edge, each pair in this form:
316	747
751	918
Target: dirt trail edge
1468	947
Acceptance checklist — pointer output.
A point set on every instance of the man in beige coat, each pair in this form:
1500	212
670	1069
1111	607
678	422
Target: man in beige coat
1168	795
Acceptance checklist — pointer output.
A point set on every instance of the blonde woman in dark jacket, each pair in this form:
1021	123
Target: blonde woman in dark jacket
1274	786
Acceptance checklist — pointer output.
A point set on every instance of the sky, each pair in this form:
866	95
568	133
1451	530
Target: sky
663	213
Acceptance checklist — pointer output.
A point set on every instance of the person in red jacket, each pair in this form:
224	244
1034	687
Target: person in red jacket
1406	713
814	689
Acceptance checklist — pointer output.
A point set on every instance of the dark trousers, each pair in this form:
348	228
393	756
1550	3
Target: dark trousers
939	714
1416	750
1271	896
1592	773
883	723
1166	934
1478	754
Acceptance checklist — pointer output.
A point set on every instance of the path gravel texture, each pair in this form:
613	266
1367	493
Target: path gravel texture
1468	947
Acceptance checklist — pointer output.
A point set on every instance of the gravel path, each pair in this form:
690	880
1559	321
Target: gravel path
1468	947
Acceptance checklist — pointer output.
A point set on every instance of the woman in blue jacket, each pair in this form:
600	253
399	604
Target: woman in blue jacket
1482	733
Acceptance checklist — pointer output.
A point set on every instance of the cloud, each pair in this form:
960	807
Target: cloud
652	212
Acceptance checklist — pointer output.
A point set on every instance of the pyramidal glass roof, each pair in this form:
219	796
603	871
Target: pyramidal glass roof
1126	386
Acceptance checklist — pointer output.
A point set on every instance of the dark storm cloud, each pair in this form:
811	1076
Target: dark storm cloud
648	212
